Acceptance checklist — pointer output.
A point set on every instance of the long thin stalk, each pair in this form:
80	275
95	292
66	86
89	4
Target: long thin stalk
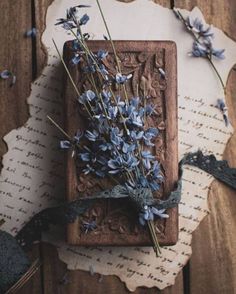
69	75
113	46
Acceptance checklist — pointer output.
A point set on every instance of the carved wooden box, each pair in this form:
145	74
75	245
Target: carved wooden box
117	223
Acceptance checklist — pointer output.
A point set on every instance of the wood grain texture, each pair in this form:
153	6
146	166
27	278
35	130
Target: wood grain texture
16	56
213	262
164	95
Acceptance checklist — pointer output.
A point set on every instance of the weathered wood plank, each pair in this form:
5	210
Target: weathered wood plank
16	56
40	10
212	266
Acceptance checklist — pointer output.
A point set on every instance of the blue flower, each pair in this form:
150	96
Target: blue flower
88	169
197	26
84	19
148	213
147	157
149	134
92	135
115	136
219	53
103	70
162	72
76	45
134	119
136	135
112	112
206	49
150	109
222	107
121	79
87	96
89	226
76	59
105	146
31	33
102	54
78	136
122	163
127	148
6	74
199	50
106	96
65	144
85	156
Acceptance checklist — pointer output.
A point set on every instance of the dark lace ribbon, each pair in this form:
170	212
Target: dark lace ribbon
68	212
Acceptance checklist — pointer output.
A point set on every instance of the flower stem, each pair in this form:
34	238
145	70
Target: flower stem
113	47
217	73
59	128
69	75
156	246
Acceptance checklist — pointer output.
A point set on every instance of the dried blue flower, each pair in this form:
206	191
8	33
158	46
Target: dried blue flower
147	157
89	226
88	95
101	54
136	135
126	162
78	136
126	148
112	112
134	118
148	214
199	50
219	53
149	134
116	136
197	26
76	45
6	74
206	49
104	71
121	79
31	33
106	96
84	156
65	144
222	107
76	59
84	19
92	135
162	72
150	109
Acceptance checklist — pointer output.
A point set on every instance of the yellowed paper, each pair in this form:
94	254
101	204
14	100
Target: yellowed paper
32	178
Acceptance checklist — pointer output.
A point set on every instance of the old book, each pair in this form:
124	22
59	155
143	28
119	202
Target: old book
153	68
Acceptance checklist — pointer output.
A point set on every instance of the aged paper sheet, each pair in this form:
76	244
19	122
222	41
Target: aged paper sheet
32	177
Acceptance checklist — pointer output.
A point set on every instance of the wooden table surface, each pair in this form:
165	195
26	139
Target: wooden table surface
212	267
